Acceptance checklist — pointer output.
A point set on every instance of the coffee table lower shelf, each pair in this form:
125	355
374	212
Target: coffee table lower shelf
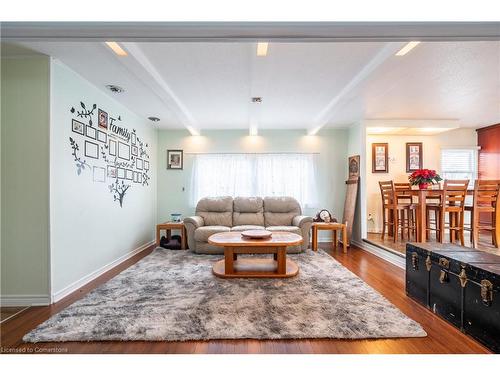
256	268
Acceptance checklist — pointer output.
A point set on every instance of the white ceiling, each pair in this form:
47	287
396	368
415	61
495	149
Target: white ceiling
303	85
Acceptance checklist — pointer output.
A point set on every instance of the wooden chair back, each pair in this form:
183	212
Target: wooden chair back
400	188
486	195
388	193
454	194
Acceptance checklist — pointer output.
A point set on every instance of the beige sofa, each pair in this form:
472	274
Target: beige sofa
225	214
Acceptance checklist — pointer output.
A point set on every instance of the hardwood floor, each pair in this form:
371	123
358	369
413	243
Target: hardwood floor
8	312
382	276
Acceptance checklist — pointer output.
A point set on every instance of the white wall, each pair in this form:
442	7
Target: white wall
88	229
174	185
432	145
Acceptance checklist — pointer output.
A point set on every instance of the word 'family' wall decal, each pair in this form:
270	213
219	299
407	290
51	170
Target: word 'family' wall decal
110	151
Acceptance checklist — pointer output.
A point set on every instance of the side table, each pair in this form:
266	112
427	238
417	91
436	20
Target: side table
316	226
168	227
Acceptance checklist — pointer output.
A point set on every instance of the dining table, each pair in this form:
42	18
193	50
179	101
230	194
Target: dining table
422	195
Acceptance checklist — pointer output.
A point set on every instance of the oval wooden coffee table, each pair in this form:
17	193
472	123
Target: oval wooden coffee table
235	244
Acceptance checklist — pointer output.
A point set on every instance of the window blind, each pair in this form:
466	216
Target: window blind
459	164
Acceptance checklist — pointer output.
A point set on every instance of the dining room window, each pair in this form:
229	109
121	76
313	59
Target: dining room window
459	164
241	174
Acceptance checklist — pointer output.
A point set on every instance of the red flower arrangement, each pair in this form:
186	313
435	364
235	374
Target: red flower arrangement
424	177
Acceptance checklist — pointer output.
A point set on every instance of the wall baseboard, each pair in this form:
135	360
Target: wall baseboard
57	296
388	256
25	300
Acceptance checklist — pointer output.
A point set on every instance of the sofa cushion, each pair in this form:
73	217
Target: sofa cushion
216	211
248	211
285	228
201	234
280	211
241	228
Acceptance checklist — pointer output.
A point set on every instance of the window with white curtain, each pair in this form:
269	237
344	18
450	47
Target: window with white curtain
255	175
459	164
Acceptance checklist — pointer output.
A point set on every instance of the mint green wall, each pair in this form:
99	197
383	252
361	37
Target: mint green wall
25	92
174	185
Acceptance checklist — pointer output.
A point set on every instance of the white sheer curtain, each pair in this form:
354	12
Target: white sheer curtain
255	175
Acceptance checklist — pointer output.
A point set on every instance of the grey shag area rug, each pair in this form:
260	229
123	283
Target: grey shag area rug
173	296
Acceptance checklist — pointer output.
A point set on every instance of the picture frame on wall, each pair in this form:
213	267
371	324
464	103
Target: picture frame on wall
112	171
112	147
134	150
175	159
123	151
120	173
354	167
414	160
102	136
102	117
91	150
380	158
91	132
77	126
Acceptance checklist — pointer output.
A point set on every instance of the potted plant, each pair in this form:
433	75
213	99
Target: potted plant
424	177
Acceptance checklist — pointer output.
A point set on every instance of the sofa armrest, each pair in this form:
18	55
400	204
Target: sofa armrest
299	221
304	223
197	221
192	223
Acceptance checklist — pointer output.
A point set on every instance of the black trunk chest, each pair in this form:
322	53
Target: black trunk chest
460	284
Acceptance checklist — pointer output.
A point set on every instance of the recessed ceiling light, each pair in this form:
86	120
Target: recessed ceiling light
407	48
262	48
154	119
115	89
253	130
116	48
257	99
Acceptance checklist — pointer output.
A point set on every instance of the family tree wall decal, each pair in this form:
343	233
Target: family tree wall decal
110	151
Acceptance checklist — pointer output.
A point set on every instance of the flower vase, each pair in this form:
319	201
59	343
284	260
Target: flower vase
423	185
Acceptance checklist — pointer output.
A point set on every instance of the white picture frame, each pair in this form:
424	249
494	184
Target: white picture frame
91	150
123	151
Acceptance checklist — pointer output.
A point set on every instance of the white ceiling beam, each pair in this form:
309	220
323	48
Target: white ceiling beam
155	81
260	68
380	57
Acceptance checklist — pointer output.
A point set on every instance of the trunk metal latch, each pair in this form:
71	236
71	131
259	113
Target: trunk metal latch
414	261
428	263
463	278
486	292
443	276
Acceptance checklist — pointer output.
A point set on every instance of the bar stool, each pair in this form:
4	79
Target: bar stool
453	203
485	200
408	215
394	210
433	204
